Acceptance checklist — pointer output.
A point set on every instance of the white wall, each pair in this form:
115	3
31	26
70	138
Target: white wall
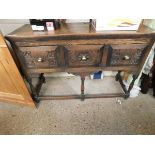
150	23
9	25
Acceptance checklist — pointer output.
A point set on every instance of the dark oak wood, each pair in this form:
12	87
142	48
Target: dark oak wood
41	81
82	88
77	48
77	30
119	78
87	96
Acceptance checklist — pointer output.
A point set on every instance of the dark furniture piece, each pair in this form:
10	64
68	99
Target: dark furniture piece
76	48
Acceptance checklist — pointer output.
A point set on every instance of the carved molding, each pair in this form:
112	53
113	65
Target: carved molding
51	58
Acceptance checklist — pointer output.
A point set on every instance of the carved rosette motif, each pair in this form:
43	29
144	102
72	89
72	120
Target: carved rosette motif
126	56
84	57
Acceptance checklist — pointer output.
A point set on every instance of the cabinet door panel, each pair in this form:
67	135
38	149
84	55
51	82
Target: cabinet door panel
12	86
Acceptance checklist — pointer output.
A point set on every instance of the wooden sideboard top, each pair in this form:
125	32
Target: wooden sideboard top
77	29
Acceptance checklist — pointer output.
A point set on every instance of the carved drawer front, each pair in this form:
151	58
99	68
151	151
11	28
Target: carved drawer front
39	57
84	55
125	54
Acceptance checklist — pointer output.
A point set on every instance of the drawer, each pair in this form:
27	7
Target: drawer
84	55
39	57
125	55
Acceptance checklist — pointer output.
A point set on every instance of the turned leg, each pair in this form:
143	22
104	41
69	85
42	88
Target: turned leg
41	81
119	78
82	88
132	83
127	92
33	90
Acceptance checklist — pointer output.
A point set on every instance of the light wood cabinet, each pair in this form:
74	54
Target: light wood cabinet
12	86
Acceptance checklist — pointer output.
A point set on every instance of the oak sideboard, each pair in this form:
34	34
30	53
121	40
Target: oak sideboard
78	49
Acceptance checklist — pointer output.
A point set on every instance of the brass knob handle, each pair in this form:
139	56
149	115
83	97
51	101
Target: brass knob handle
126	57
40	60
84	58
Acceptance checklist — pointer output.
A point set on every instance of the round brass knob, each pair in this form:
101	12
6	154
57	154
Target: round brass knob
40	60
126	57
84	58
